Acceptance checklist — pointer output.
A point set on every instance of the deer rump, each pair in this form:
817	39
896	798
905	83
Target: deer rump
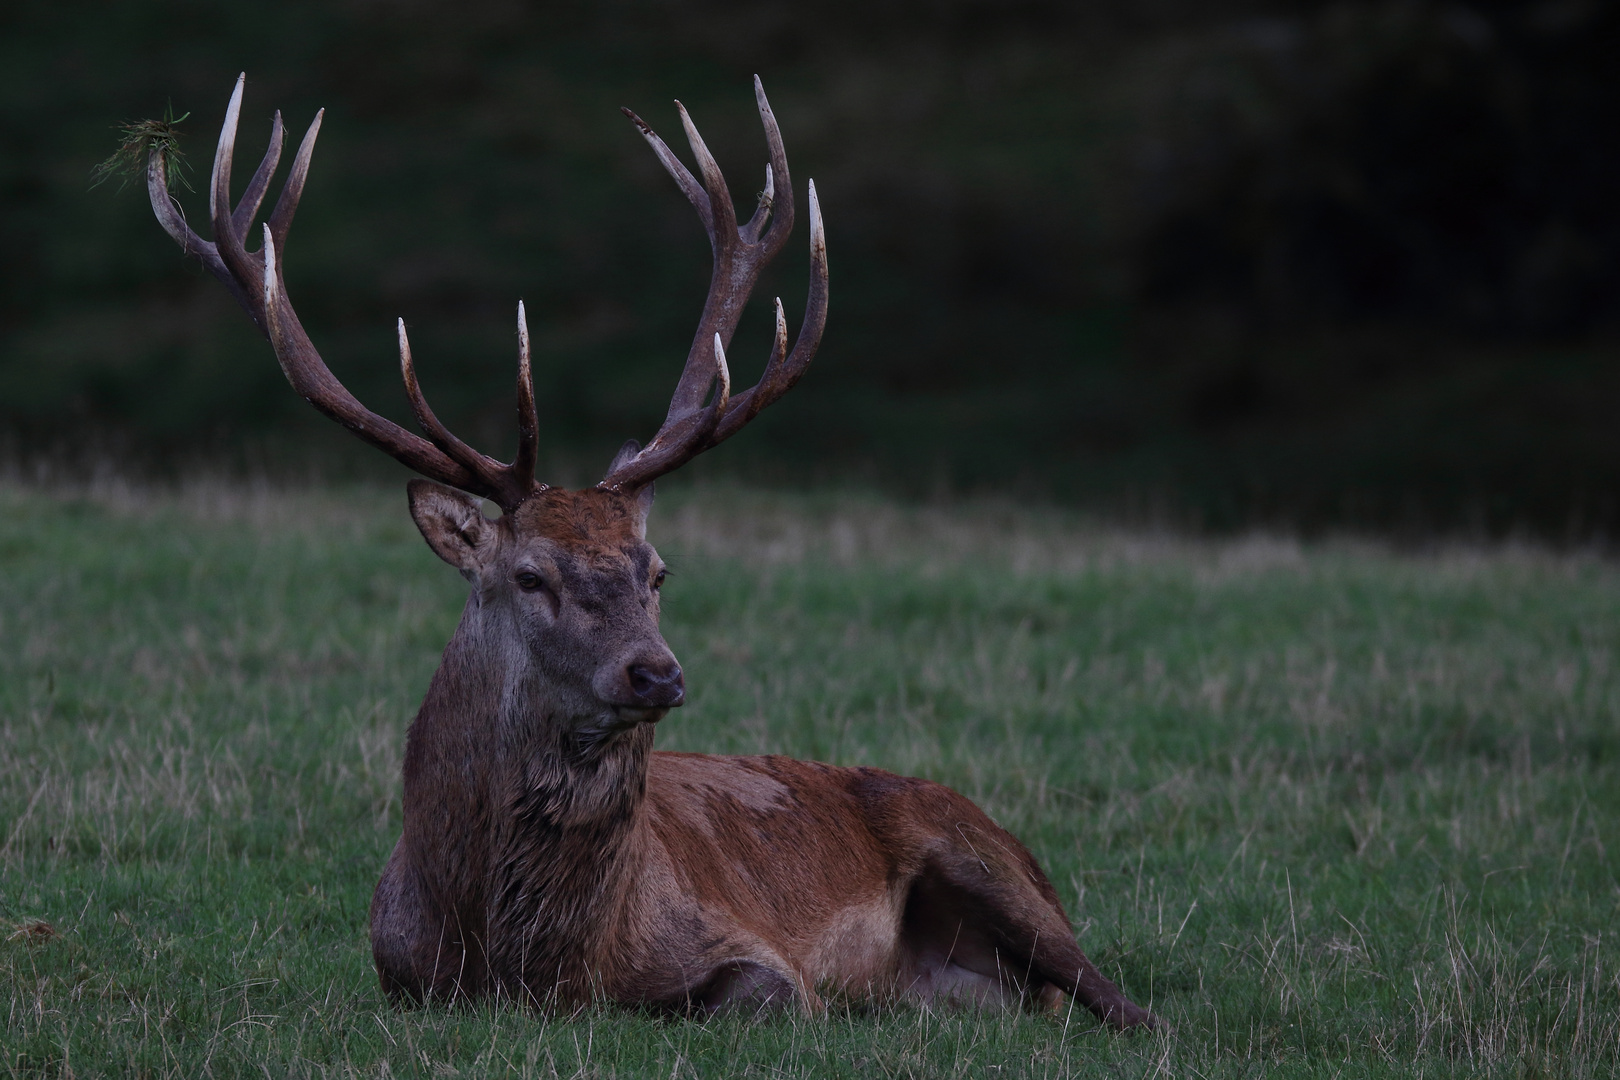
547	854
746	881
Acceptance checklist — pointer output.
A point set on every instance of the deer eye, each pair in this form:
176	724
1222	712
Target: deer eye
529	581
658	581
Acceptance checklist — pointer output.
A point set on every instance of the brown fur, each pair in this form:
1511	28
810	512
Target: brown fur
549	855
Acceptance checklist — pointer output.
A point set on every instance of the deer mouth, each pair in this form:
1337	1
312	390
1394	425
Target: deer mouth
641	714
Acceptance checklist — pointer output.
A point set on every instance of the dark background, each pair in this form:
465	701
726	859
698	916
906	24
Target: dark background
1218	263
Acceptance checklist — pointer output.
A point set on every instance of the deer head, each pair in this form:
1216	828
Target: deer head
564	583
566	588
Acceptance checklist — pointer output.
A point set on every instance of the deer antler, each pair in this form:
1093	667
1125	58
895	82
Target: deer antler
740	253
254	278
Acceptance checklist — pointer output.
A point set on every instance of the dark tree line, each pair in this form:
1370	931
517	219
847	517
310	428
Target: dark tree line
1352	263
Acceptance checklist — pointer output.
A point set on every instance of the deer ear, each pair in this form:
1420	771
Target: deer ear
626	453
452	523
644	494
644	501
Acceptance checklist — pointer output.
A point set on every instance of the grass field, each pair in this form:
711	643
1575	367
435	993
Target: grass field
1334	810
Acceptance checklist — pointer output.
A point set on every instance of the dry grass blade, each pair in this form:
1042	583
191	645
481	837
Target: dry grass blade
139	138
33	931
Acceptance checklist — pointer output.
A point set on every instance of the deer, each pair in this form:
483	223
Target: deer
548	854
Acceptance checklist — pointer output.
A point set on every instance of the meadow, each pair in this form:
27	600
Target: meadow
1333	809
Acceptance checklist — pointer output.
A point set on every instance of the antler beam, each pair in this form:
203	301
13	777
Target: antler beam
254	278
740	253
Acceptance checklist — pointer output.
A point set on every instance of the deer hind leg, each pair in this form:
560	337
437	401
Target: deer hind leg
747	986
982	924
945	952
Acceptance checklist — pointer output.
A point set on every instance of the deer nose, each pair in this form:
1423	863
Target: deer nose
657	685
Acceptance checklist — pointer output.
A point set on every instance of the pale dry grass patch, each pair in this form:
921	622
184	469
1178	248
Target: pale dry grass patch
210	498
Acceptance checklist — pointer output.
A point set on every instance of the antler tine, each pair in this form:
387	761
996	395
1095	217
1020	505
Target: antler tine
767	196
441	436
228	242
293	189
723	216
680	173
528	423
693	429
678	442
315	383
248	207
219	188
746	405
510	484
729	285
777	177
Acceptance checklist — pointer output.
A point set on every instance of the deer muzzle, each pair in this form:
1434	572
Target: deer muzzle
650	684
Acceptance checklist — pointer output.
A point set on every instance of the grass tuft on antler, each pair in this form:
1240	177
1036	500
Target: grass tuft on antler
139	138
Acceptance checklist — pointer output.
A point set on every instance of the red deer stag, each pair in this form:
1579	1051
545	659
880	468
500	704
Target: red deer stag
548	854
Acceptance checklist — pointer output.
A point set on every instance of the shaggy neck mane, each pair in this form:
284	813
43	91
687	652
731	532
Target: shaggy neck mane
497	778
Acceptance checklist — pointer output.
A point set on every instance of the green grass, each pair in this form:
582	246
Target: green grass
1333	809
